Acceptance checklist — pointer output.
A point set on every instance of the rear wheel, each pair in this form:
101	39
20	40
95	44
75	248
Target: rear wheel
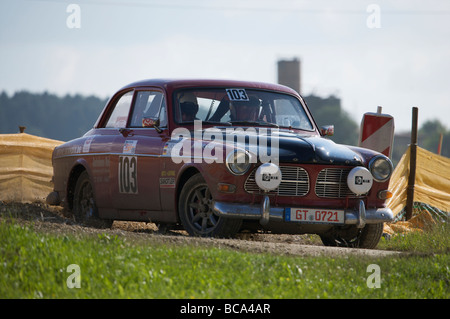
84	208
196	213
351	236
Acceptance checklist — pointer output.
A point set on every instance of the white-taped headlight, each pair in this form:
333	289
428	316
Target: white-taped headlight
238	162
381	168
359	180
268	176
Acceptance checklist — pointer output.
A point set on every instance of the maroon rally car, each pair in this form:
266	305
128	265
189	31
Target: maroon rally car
218	157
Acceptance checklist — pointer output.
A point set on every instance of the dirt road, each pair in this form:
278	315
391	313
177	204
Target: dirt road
51	220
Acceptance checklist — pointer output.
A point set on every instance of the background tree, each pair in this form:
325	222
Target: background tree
429	137
328	111
47	115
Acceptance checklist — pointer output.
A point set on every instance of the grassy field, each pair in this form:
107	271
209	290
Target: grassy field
42	265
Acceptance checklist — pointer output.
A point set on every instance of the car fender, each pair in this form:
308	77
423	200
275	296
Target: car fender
78	167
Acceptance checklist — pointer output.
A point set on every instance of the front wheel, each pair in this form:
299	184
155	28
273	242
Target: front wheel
351	236
196	213
84	208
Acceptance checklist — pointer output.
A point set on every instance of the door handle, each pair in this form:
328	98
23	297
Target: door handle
126	132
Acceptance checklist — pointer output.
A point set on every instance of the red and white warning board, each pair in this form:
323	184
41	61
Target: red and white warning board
377	132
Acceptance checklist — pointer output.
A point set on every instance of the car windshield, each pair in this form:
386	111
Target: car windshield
240	106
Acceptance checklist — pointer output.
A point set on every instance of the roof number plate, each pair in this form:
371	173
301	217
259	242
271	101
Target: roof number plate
237	94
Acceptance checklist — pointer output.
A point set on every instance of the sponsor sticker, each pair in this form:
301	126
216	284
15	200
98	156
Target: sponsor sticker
129	147
167	182
148	122
87	144
167	173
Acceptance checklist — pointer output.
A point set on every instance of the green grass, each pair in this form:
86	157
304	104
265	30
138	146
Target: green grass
434	240
34	265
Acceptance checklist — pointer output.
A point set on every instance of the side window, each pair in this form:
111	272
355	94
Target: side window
149	105
163	114
119	115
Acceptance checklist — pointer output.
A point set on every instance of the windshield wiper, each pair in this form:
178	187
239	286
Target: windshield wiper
254	123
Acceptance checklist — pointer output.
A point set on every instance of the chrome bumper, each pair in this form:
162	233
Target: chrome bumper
360	216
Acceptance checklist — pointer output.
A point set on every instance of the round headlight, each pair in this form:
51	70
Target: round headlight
238	162
381	168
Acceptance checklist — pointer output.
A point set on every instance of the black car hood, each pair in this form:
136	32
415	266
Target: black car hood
307	149
298	148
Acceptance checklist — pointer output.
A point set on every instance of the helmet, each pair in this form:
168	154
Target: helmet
188	106
245	110
187	97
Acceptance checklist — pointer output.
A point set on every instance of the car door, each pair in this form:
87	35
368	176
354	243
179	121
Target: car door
137	149
103	147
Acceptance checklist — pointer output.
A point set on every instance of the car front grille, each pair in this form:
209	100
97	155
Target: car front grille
330	183
294	182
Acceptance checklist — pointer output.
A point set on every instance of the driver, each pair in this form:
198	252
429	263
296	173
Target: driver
188	107
245	110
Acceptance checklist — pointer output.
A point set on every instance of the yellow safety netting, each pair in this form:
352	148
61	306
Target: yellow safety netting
420	222
432	184
25	167
432	187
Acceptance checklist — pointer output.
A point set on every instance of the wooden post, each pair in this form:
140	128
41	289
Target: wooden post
412	165
440	144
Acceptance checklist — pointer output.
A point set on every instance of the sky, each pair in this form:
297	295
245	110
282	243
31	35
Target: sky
394	54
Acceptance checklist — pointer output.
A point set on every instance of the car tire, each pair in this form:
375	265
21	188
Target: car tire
351	236
84	207
196	214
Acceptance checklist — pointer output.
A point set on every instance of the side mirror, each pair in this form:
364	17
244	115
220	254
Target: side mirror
152	123
327	130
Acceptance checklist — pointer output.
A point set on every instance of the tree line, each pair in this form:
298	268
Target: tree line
48	115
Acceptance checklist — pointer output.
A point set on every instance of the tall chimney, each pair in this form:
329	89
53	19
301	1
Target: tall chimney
289	73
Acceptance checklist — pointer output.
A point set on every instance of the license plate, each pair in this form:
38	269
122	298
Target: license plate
315	215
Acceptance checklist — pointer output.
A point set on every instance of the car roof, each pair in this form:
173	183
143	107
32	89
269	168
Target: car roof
173	84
